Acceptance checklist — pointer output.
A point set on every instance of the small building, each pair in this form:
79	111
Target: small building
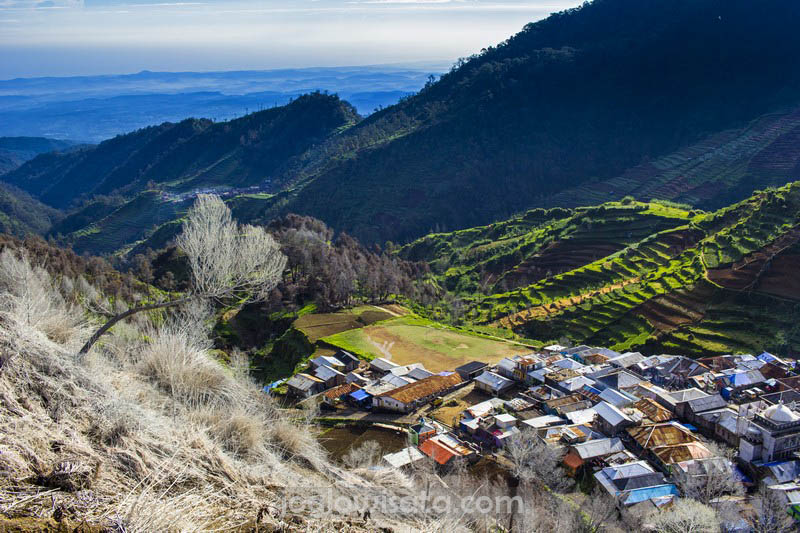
495	430
616	398
593	451
543	422
354	377
443	448
329	376
404	458
350	361
621	479
506	367
339	393
610	420
380	365
471	370
327	360
626	360
492	383
409	397
304	386
360	398
419	432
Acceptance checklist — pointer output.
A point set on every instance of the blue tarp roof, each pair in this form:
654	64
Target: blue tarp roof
688	426
274	384
645	493
359	395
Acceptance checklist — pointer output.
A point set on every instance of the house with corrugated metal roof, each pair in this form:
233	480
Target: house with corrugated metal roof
304	385
492	383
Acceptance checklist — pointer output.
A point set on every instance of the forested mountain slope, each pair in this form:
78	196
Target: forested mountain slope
194	153
579	97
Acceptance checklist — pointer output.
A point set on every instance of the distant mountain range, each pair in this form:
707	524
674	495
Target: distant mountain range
695	101
96	108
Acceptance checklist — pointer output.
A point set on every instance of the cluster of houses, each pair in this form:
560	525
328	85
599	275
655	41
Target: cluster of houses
639	426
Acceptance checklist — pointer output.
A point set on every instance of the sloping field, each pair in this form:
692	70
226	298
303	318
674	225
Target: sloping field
318	325
409	340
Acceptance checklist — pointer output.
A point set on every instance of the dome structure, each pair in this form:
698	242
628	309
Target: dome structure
780	414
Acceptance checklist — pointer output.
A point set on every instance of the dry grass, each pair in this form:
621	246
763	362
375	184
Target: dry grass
150	433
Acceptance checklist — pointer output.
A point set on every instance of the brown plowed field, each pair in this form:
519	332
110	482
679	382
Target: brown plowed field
670	311
783	277
745	273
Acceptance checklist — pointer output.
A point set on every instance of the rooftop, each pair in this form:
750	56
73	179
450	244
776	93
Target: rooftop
423	388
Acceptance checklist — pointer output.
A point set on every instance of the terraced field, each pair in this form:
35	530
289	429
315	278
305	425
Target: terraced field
132	222
700	283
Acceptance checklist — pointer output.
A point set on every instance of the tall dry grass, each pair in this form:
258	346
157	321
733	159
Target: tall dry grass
149	432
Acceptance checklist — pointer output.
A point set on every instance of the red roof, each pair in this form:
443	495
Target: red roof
437	451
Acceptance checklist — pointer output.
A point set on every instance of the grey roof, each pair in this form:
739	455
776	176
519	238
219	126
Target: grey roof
382	364
346	357
472	366
627	359
326	360
638	482
495	381
568	363
507	364
616	398
598	448
619	379
302	382
325	373
708	403
611	414
576	383
688	394
419	373
404	457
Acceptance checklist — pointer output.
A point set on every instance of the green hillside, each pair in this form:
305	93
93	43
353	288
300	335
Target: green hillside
256	149
21	215
576	99
633	275
694	101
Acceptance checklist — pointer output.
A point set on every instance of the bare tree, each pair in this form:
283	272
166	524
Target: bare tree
769	513
686	516
532	460
228	261
709	480
365	456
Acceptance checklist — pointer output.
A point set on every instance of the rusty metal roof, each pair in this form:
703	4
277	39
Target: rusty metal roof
664	434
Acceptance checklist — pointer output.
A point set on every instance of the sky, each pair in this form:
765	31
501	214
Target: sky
89	37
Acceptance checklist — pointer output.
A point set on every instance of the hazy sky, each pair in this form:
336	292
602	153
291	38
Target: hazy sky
66	37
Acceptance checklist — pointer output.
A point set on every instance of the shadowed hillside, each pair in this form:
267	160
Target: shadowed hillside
194	153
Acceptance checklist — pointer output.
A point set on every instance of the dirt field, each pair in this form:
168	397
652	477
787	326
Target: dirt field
407	341
447	413
318	325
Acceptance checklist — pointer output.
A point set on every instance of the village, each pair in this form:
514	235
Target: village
643	429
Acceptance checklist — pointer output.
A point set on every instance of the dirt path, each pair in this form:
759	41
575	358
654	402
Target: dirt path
521	317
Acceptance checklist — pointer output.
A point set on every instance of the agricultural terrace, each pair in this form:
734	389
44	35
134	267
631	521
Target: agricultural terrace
407	340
